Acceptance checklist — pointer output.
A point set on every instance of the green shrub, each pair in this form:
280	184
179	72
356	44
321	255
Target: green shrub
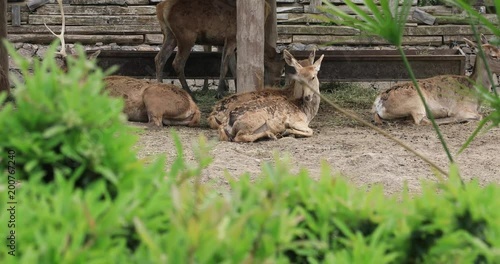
61	123
75	217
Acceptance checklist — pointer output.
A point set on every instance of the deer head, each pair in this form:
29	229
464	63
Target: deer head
306	77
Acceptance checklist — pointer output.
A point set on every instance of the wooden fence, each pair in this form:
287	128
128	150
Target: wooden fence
133	22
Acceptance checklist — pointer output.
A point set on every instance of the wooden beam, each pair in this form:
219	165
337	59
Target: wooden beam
313	6
4	58
271	33
250	45
16	15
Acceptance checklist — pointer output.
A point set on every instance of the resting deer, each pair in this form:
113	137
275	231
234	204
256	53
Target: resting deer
451	98
156	103
205	22
145	101
222	108
275	114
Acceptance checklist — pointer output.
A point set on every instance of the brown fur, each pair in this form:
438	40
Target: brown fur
220	112
451	98
271	114
204	22
153	102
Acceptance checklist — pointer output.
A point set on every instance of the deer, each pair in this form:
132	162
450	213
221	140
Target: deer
157	104
451	98
145	101
220	111
205	22
275	115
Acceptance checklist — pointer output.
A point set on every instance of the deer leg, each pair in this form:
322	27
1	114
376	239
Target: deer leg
206	48
168	46
154	122
459	118
232	68
183	50
299	129
227	51
243	137
419	115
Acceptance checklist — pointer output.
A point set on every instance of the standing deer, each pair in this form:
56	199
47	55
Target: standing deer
274	114
205	22
222	108
451	98
145	101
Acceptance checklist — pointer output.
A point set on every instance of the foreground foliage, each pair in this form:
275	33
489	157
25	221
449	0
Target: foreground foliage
85	198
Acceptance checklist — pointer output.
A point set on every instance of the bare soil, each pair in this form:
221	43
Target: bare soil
357	152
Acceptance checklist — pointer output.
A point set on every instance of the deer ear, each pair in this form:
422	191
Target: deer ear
470	43
290	60
312	55
94	55
484	40
317	64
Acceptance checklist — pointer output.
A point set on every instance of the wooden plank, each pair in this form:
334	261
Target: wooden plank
270	31
366	40
107	2
441	30
358	2
154	39
94	20
297	18
16	15
284	39
290	9
52	9
250	45
433	10
313	6
345	65
423	16
34	4
462	20
460	38
316	30
92	29
24	17
84	39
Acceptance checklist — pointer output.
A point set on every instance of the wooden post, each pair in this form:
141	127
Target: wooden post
250	44
4	57
271	33
313	4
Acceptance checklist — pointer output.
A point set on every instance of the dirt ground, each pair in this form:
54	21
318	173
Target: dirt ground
359	153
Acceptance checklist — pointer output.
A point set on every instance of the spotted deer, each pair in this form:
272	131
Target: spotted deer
293	90
451	98
274	114
205	22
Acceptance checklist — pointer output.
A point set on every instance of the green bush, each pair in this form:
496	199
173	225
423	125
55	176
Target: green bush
153	216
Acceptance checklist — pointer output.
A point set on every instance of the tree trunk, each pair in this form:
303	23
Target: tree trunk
4	59
250	45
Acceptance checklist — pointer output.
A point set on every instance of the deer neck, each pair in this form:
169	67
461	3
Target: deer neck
480	74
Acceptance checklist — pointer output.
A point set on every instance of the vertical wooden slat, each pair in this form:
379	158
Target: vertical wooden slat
250	44
4	59
16	15
271	33
314	4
